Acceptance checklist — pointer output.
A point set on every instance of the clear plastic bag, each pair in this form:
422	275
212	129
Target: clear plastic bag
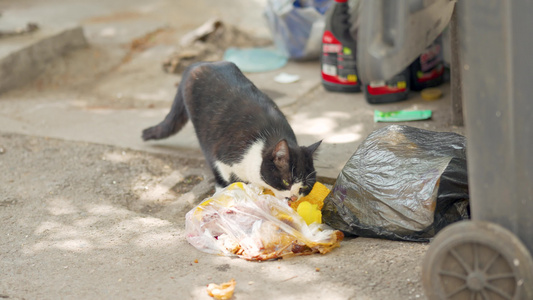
402	183
242	221
297	26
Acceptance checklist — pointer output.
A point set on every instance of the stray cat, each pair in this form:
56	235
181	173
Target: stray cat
243	134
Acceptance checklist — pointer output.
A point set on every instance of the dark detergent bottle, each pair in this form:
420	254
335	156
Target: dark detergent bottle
339	72
428	69
392	90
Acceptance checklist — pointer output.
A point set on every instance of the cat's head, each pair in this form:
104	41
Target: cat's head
289	171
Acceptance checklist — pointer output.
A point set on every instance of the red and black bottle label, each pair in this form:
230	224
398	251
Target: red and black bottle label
338	61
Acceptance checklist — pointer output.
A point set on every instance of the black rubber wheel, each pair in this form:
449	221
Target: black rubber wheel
477	260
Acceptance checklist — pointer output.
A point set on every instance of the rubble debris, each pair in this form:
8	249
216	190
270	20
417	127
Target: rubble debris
140	44
208	43
30	27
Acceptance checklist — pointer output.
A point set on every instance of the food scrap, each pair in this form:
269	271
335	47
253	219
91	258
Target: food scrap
222	291
310	206
309	212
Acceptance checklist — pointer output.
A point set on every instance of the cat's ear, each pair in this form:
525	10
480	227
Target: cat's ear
280	155
312	149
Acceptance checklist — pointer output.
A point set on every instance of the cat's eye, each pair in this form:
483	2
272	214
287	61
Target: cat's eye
285	182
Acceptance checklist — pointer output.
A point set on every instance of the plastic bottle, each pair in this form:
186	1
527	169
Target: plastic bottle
393	90
428	69
339	71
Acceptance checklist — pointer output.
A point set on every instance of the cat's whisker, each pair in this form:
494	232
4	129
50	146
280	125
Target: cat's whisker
292	173
310	174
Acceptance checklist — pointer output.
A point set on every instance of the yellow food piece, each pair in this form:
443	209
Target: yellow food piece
221	291
431	94
310	206
309	212
316	196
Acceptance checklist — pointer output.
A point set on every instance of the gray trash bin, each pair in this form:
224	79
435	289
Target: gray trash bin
490	256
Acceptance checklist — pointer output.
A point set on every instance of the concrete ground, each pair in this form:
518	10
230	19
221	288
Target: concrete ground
88	210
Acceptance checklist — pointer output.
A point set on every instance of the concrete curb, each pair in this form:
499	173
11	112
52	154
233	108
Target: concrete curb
24	65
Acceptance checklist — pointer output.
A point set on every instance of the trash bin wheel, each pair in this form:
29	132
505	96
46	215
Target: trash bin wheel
477	260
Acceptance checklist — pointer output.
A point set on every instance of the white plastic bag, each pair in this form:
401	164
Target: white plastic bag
297	26
243	221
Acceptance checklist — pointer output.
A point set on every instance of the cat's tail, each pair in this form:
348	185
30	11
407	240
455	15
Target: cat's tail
173	122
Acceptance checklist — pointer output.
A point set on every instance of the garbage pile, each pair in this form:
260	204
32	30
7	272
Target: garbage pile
402	183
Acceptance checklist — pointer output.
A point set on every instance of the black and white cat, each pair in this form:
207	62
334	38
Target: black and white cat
243	134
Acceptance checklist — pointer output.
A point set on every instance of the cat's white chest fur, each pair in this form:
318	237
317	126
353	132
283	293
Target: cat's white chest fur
249	170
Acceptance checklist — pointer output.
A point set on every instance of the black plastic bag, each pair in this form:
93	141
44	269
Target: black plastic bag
402	183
